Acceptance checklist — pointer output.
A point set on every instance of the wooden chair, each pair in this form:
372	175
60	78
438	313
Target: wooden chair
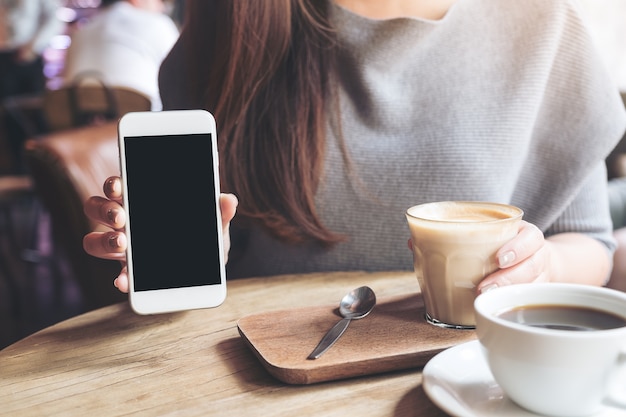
89	101
67	167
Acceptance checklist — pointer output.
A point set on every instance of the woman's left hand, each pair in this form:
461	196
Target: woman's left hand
525	258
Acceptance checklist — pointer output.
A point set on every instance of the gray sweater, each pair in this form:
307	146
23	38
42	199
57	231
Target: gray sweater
502	100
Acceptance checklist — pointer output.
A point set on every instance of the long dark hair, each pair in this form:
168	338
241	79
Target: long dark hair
265	70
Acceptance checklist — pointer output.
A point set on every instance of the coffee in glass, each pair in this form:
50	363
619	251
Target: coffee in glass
454	248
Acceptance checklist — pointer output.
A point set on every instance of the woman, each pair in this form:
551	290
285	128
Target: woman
335	117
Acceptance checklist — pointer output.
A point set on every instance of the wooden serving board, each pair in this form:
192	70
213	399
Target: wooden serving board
393	336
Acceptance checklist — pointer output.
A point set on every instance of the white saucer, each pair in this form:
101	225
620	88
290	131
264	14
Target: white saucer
458	381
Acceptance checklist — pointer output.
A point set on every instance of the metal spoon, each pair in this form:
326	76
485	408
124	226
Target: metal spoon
355	305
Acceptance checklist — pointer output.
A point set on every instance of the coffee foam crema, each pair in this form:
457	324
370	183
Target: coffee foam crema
452	211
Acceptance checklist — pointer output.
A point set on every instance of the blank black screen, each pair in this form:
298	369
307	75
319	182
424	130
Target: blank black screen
171	205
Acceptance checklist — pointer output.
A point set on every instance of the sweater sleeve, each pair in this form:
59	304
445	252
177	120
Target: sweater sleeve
588	212
580	119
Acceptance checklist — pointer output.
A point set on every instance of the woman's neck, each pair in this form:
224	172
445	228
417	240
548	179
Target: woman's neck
390	9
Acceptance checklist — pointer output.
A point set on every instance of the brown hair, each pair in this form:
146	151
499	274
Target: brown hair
264	69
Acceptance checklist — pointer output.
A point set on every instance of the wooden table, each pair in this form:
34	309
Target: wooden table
111	362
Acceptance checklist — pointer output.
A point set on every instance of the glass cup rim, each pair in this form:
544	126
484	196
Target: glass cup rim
515	212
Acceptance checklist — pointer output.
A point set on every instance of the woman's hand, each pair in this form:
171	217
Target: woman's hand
109	212
525	258
564	257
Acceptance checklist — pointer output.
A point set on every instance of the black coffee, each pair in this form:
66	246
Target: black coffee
561	317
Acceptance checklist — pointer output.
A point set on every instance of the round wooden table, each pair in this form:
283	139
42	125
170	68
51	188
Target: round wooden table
112	362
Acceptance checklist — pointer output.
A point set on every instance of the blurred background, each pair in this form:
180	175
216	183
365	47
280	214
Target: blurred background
607	22
38	285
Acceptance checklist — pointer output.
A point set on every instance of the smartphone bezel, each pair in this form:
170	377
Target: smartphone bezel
167	123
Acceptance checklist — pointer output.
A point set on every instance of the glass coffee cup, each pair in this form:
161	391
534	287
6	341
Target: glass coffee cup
454	247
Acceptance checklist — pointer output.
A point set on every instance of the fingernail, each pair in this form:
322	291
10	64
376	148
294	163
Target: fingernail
114	241
506	259
488	288
112	184
112	215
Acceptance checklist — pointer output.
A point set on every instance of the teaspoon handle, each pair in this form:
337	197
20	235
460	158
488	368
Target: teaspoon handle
330	338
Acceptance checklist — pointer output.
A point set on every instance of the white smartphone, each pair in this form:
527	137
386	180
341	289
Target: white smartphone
169	167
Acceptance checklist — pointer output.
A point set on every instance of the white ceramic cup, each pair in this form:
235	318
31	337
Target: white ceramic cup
551	371
454	248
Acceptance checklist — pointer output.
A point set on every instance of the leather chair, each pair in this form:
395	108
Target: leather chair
67	167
